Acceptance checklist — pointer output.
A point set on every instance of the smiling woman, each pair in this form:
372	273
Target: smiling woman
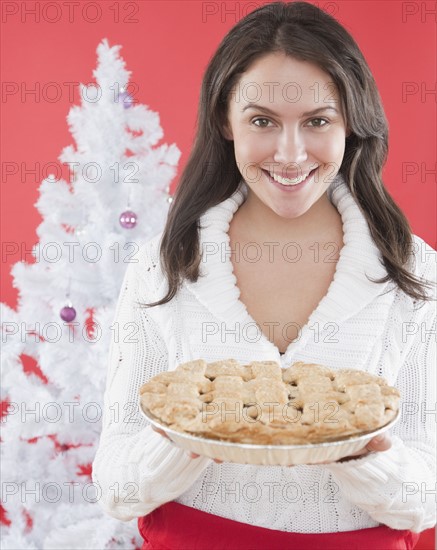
330	70
289	151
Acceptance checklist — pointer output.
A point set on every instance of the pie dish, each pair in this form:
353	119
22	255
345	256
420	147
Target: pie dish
226	405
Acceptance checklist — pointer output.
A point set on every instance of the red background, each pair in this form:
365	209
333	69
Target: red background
167	45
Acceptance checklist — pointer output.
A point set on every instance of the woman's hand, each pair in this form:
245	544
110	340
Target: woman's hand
378	444
190	454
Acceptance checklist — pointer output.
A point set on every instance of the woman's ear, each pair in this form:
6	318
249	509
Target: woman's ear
348	132
227	132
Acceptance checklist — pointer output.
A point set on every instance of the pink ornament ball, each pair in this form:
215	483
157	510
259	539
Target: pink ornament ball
68	314
128	219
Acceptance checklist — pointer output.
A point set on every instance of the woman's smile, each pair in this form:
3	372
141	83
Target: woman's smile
290	184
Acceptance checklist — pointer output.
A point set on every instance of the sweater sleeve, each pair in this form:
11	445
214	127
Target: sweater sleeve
397	487
136	469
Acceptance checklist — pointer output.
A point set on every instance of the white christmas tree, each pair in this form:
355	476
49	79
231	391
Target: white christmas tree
92	226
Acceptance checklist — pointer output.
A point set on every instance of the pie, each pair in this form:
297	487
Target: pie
262	403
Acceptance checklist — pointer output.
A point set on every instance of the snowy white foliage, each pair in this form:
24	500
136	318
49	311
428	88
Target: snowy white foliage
47	492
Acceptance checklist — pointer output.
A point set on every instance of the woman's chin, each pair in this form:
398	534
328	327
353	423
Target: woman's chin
291	212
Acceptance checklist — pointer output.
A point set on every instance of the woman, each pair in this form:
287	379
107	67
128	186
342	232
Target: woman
281	244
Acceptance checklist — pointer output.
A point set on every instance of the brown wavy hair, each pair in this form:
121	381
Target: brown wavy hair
304	32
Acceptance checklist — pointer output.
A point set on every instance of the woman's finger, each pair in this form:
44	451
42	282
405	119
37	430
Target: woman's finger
161	432
195	455
192	455
379	443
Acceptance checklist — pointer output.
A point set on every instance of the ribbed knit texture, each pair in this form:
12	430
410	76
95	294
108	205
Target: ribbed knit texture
358	324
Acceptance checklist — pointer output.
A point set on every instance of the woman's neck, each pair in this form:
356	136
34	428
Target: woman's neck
258	222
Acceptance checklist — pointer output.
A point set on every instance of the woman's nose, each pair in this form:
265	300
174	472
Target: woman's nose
290	148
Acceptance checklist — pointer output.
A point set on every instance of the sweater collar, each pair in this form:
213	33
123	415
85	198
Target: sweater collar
349	292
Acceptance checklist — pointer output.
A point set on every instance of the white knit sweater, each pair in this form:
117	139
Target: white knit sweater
354	326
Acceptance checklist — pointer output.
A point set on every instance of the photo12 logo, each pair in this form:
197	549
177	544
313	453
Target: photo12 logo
232	12
53	92
70	12
269	412
273	491
425	12
52	492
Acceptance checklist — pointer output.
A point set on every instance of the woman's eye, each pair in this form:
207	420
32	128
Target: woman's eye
318	122
263	120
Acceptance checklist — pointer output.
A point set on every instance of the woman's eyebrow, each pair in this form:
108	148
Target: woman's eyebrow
267	110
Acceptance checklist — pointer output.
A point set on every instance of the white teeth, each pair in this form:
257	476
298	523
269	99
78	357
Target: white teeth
286	181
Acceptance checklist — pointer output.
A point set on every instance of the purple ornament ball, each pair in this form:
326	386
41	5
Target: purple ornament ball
68	314
126	99
128	219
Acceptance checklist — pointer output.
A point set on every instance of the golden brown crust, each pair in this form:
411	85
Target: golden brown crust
261	403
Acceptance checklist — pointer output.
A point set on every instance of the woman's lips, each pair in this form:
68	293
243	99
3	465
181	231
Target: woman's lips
290	188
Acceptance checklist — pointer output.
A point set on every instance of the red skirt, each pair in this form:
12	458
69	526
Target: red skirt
173	526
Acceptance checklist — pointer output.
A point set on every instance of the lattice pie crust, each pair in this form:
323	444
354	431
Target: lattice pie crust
261	403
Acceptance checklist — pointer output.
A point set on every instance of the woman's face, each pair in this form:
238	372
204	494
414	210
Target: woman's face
285	119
